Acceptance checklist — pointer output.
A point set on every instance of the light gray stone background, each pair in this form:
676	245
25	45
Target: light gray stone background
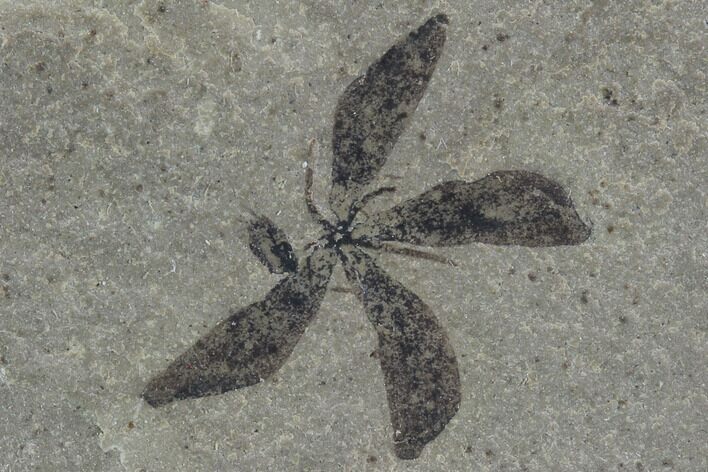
136	135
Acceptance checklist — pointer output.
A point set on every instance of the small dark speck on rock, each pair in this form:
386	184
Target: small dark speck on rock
610	229
584	297
607	94
501	37
485	47
139	188
468	450
371	459
532	276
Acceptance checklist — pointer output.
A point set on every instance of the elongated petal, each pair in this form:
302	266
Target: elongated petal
375	109
418	363
507	207
270	245
251	344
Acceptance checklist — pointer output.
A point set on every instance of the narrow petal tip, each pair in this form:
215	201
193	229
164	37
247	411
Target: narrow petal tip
156	395
441	18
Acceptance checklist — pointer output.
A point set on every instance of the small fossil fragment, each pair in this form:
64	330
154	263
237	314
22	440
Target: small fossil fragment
270	245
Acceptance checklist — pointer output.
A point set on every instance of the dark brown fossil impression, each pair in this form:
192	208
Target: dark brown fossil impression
419	366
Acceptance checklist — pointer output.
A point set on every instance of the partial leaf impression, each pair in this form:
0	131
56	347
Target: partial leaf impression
418	363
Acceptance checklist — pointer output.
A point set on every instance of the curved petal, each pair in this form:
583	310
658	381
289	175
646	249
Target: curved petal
375	109
251	344
506	207
270	245
418	363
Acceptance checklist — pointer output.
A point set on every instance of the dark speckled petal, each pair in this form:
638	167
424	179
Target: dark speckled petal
251	344
270	245
375	109
507	207
417	360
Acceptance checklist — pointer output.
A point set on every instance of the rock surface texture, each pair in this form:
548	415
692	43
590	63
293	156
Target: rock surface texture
137	137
